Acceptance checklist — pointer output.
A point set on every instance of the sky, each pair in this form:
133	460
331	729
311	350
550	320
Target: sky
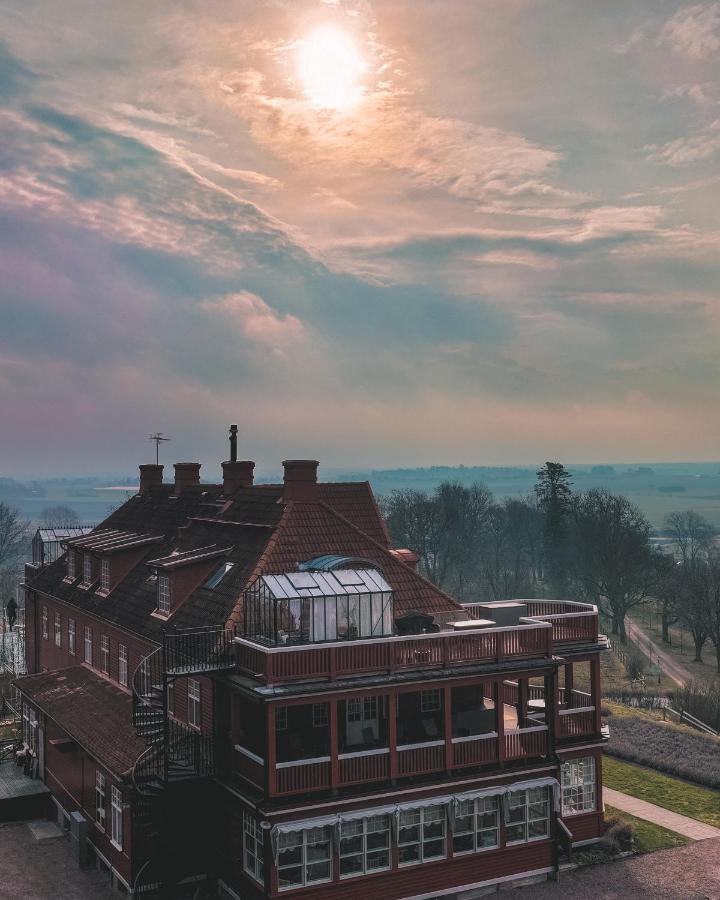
401	232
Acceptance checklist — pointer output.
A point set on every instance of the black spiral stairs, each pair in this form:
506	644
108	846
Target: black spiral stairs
169	775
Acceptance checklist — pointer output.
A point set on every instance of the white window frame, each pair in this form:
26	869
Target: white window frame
105	576
123	665
105	653
194	699
116	817
71	573
530	816
431	700
45	633
57	629
359	836
87	569
308	837
100	799
88	645
476	811
253	848
71	636
164	595
579	785
423	823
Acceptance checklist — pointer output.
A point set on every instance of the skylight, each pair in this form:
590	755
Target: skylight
217	576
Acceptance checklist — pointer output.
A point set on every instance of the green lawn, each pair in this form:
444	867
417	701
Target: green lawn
679	796
648	836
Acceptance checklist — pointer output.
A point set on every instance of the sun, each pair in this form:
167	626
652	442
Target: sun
330	68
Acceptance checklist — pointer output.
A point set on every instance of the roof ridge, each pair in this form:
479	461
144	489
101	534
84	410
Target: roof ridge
387	553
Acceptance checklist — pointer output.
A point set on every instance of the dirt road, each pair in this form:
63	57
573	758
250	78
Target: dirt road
679	674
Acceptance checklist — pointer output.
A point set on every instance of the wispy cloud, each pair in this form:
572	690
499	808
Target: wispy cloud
694	31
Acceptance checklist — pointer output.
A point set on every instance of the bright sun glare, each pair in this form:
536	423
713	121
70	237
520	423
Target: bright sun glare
330	68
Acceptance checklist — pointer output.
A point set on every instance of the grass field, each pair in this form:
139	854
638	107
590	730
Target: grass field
679	796
648	836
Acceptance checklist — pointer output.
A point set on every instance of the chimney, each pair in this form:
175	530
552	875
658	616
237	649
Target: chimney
237	474
300	479
150	477
186	475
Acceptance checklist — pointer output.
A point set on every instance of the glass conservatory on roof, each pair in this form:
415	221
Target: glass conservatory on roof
311	607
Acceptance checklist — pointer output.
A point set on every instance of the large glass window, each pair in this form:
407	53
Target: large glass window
193	697
253	847
100	799
163	594
71	636
58	630
304	857
88	645
116	835
364	846
578	785
71	564
421	835
476	825
472	711
421	717
87	569
250	725
122	664
302	732
105	575
363	723
45	622
105	653
528	815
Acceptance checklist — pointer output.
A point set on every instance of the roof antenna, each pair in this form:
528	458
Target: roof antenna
158	438
233	443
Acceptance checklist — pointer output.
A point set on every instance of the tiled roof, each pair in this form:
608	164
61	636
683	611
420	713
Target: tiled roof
91	710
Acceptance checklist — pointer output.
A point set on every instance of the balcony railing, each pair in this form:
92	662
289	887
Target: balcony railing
302	775
576	722
521	743
359	768
475	750
196	650
421	759
395	654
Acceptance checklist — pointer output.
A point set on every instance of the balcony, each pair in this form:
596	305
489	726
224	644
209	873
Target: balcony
550	625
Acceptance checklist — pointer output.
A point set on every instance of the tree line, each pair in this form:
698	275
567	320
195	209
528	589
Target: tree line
592	546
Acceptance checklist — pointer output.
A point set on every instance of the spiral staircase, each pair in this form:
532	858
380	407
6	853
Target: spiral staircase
175	756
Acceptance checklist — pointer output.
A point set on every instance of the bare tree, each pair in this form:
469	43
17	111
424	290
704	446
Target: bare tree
59	516
612	559
692	533
14	534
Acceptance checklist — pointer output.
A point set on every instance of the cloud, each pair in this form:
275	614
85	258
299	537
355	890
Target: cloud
694	31
685	150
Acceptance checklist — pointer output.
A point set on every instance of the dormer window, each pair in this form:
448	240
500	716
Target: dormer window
105	576
71	564
87	568
163	595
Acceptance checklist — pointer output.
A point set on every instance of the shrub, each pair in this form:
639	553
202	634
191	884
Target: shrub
702	700
668	748
619	836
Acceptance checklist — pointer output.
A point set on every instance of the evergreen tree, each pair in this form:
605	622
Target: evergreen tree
554	494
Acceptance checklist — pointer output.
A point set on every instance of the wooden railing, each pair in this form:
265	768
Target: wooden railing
303	775
476	750
359	768
524	742
420	759
395	654
576	722
248	766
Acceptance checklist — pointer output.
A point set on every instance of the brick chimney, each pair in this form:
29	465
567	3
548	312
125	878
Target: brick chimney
300	480
237	474
186	475
151	476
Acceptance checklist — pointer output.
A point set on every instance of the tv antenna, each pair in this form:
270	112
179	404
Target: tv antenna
158	438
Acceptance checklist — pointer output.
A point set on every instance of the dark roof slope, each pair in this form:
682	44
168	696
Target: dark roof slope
91	710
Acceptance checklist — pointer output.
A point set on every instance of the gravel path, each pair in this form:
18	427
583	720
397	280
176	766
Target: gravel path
679	674
686	873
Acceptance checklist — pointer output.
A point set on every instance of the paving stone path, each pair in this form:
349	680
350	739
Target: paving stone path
691	828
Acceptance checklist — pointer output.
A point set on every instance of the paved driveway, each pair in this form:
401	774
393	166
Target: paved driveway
32	869
686	873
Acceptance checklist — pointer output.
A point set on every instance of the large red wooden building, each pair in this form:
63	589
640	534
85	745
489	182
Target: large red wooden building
246	685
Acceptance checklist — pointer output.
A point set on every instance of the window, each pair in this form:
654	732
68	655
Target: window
171	698
88	645
194	702
320	715
430	700
578	785
163	596
122	665
528	815
71	636
58	630
105	653
253	848
100	799
364	846
116	820
87	569
476	825
304	857
45	622
71	564
281	718
421	835
105	576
